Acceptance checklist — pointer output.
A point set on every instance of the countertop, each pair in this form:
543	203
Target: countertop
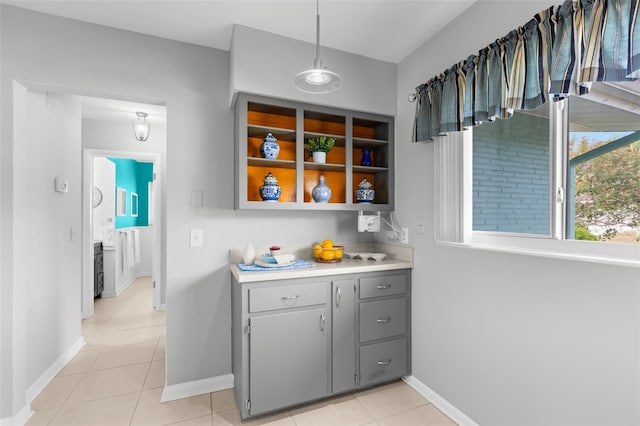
398	258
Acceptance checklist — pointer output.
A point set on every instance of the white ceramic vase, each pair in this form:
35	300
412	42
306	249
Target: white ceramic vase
249	255
319	157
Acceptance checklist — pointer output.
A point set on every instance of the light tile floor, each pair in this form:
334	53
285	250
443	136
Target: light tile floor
117	379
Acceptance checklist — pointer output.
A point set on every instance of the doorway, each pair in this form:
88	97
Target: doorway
107	136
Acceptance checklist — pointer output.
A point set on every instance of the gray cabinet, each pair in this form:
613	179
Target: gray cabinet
288	359
293	124
384	328
343	311
299	340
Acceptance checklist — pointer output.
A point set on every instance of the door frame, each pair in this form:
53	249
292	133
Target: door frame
87	224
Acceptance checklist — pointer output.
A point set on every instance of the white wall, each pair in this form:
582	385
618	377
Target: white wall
266	63
104	214
194	82
48	225
510	339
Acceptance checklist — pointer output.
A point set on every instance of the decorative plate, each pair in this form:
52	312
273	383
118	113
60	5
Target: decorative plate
97	196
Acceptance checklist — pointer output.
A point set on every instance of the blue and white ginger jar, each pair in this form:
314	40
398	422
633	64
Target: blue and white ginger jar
321	193
270	191
365	194
269	147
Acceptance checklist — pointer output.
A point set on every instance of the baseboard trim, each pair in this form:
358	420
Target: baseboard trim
197	387
51	372
442	404
41	382
162	307
19	419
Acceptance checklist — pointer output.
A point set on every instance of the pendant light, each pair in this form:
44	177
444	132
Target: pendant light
141	127
318	79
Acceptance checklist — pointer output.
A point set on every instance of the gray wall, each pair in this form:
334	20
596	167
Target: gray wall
510	339
194	82
511	191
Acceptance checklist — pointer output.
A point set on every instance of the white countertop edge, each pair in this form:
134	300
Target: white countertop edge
321	270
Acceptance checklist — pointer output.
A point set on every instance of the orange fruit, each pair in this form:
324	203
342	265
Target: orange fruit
327	244
328	255
339	253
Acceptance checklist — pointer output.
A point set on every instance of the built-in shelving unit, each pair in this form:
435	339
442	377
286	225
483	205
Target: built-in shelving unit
293	124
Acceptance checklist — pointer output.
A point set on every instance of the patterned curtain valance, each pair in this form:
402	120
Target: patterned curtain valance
559	52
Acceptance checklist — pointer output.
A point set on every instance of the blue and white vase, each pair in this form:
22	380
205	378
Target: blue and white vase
269	147
270	191
365	194
321	193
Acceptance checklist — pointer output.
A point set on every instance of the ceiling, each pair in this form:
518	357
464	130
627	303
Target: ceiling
387	30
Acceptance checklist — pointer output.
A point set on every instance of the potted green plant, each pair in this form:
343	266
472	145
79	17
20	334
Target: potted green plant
319	147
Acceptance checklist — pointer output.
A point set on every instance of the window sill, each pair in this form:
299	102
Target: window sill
583	251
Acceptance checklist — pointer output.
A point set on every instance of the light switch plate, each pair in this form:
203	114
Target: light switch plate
61	185
196	238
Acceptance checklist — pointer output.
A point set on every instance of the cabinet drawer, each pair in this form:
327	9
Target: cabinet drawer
383	361
383	286
290	296
383	318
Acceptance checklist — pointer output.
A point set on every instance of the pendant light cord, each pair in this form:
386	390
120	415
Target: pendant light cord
317	65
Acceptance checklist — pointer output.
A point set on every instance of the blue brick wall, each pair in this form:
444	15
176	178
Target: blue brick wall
511	175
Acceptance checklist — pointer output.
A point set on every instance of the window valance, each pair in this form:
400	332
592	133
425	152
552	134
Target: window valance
557	53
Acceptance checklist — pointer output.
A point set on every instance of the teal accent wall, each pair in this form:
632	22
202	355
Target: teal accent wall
133	176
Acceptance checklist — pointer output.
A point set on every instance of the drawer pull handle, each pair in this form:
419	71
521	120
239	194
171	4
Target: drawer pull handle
383	320
290	297
322	322
384	361
338	297
383	286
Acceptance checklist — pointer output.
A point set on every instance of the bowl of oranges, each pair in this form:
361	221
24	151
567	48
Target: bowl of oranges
327	252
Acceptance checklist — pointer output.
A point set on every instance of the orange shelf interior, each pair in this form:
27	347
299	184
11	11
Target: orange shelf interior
271	120
334	180
286	180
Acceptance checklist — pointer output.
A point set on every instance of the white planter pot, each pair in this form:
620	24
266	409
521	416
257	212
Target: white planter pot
319	157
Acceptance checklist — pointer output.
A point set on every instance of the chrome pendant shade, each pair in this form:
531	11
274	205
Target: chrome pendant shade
318	79
141	127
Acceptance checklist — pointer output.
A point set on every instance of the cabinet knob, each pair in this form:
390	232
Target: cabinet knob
384	362
383	320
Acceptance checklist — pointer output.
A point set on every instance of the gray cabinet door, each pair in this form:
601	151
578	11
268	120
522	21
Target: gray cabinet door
344	335
288	359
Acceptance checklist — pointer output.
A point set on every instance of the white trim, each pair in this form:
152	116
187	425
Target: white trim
442	404
585	251
41	382
197	387
162	307
19	419
87	225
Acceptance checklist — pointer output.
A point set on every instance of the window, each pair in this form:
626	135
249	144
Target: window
529	184
603	183
511	176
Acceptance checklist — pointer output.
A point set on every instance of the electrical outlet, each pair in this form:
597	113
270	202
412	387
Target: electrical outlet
391	236
404	235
